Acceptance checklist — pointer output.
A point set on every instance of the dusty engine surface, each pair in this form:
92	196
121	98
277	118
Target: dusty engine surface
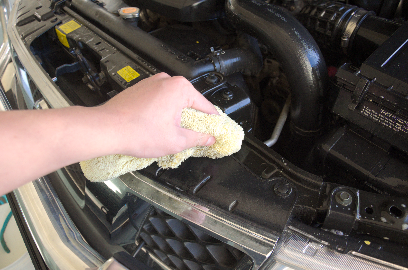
324	84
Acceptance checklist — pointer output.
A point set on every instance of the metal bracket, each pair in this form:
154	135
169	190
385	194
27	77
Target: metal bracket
360	91
342	211
67	68
56	5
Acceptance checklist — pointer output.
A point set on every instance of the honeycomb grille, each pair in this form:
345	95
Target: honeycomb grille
184	247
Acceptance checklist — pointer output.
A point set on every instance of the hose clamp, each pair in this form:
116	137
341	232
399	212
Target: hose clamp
354	22
214	56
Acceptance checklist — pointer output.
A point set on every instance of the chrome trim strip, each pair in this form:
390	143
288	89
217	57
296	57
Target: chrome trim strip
380	262
254	241
299	251
112	264
154	258
5	55
22	78
4	103
56	237
43	82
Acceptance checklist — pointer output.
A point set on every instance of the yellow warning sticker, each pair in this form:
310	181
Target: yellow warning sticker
69	26
128	73
62	38
65	29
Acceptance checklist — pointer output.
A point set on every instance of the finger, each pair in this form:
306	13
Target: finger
200	103
197	139
196	100
161	75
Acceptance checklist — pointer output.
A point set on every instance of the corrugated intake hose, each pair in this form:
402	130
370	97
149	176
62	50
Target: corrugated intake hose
297	52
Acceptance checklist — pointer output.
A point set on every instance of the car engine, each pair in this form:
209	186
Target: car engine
320	88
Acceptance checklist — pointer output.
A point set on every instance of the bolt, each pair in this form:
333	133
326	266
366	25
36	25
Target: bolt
283	189
344	41
212	78
344	198
227	94
344	195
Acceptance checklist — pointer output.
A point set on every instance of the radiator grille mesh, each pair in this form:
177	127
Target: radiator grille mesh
178	245
184	247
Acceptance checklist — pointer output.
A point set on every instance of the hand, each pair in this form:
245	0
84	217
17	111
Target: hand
147	117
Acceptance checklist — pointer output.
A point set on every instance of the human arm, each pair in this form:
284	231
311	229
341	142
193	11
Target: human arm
142	121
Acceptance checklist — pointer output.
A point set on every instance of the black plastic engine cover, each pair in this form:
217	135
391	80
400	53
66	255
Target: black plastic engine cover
375	97
229	93
181	10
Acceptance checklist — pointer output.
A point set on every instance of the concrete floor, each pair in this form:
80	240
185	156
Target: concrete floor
18	258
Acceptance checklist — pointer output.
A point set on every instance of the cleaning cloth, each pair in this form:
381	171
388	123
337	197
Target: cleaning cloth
228	135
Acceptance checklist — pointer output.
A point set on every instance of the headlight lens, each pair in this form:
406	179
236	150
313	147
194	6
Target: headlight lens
300	252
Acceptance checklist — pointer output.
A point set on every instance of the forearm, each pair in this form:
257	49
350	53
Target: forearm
38	142
142	121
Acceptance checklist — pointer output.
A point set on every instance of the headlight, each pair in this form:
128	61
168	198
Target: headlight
306	252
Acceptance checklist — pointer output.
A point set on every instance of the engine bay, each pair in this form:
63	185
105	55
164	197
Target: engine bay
320	88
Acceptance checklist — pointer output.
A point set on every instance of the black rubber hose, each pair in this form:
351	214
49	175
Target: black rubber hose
388	9
295	49
111	40
246	59
153	50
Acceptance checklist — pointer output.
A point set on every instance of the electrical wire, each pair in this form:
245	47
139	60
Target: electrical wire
5	200
3	229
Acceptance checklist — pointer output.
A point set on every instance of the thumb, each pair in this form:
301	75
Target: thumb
198	139
206	140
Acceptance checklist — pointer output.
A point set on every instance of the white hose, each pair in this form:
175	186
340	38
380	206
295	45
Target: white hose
279	125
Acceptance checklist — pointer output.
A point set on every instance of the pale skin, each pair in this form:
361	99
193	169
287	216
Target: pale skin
142	121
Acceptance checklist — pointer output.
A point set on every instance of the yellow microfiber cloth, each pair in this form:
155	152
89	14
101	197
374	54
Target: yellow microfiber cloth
228	135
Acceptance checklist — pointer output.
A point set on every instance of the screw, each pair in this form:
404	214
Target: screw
159	171
283	189
232	206
344	198
352	106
